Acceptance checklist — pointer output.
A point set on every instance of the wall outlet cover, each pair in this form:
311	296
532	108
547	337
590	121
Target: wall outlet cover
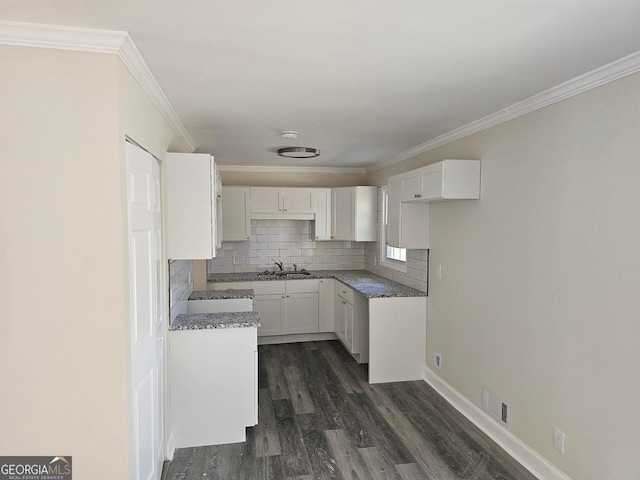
437	360
558	439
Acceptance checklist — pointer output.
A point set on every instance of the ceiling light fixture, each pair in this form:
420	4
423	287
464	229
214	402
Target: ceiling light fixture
290	134
298	152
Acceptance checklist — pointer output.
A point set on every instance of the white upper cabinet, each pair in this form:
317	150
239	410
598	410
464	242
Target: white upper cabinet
191	206
283	202
407	222
323	214
236	219
354	213
410	194
445	180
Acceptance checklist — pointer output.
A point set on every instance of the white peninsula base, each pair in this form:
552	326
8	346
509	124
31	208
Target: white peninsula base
397	339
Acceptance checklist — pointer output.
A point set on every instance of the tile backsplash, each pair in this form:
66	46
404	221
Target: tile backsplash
180	286
290	242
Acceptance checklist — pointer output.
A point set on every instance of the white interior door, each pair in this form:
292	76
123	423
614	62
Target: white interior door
145	257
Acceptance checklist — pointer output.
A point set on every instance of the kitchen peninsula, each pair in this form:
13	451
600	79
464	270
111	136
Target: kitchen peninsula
379	321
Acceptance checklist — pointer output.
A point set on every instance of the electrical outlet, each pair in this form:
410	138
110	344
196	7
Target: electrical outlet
558	439
439	271
437	360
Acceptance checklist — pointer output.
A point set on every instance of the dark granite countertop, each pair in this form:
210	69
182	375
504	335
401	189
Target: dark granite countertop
221	294
364	282
205	321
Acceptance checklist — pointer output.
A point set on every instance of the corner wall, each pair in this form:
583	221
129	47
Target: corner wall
62	346
540	291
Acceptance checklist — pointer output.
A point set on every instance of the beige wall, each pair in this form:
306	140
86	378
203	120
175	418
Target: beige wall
62	342
540	291
64	286
293	179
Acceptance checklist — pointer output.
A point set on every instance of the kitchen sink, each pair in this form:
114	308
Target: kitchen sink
268	274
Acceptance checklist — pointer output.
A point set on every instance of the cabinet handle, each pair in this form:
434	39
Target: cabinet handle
285	209
417	195
344	303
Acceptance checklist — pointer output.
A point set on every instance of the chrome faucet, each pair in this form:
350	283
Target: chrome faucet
279	264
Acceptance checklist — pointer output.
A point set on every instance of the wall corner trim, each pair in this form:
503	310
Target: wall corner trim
600	76
529	458
97	41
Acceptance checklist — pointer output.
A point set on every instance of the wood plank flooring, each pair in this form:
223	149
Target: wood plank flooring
320	419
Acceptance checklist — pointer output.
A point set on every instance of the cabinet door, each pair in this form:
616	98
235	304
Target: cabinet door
341	318
343	213
348	328
326	305
393	214
432	181
302	313
266	200
236	219
190	201
299	200
271	311
323	214
411	186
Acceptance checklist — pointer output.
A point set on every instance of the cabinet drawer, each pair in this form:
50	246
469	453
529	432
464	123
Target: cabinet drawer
345	292
269	287
302	286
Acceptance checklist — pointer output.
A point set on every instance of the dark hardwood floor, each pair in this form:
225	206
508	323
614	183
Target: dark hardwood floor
320	419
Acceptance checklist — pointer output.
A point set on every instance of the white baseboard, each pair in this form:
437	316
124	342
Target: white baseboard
524	454
300	337
171	449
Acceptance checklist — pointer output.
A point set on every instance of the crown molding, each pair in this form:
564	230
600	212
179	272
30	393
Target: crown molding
608	73
274	169
97	41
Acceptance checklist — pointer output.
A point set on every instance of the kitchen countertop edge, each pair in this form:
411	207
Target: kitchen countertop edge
364	282
208	321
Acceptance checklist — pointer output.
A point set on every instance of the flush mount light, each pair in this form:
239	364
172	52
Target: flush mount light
290	134
298	152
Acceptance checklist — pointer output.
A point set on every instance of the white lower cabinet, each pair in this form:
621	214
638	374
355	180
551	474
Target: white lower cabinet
301	313
213	385
352	322
271	311
286	306
326	305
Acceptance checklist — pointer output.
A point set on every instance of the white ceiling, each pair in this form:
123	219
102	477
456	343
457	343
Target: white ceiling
361	80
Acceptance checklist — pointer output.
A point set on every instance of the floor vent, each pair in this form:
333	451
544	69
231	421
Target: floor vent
496	406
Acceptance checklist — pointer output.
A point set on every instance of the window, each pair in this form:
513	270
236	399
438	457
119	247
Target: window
390	257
